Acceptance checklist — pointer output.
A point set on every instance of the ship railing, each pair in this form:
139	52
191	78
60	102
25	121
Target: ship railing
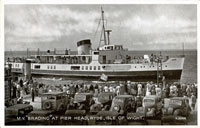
16	60
61	62
144	61
136	61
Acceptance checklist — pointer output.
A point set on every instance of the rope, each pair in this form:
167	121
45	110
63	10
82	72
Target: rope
97	28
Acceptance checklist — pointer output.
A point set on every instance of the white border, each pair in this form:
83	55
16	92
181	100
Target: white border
5	2
100	1
2	63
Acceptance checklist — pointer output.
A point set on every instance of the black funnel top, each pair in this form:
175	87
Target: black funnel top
82	42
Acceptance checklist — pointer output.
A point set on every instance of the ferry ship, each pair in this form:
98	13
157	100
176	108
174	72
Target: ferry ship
109	60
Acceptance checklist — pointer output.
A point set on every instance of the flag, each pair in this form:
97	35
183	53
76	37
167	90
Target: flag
104	77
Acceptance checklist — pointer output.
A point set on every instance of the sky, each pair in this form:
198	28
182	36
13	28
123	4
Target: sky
136	26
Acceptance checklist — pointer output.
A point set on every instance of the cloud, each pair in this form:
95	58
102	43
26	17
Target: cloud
50	25
162	24
43	21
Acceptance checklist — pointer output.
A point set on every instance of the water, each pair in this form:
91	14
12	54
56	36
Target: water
189	74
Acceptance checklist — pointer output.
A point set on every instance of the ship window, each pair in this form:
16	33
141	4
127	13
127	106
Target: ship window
54	67
37	66
90	67
150	66
51	67
141	66
135	66
96	53
165	65
48	67
94	67
58	97
82	67
153	66
99	68
111	47
75	67
86	68
144	66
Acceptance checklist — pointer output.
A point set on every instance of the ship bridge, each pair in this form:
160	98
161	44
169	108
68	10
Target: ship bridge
111	47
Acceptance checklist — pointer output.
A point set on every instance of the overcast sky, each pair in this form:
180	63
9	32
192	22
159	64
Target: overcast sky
137	27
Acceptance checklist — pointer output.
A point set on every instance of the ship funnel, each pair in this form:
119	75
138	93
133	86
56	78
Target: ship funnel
84	47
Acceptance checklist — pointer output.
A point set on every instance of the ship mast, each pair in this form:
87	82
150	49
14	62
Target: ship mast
104	32
183	49
108	34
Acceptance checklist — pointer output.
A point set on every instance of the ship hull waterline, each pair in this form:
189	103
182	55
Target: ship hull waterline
95	75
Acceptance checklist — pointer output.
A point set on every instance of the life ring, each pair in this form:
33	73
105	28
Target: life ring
47	105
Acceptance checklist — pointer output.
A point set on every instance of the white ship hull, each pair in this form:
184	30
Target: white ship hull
171	69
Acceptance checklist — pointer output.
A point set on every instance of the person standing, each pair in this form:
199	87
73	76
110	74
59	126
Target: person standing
14	91
153	91
188	90
194	99
64	88
158	91
21	83
91	88
117	90
32	93
183	89
167	91
122	89
148	89
139	89
164	82
25	87
193	90
18	90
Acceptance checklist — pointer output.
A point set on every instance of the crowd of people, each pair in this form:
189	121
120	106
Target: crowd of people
33	88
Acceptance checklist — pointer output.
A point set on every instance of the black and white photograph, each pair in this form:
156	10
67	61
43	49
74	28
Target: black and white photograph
100	64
